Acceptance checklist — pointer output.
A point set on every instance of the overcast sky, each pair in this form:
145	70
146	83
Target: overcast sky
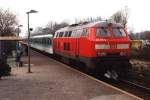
68	10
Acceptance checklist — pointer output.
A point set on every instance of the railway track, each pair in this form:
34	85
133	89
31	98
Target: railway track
129	85
144	88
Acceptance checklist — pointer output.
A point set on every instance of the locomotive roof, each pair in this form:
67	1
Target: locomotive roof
42	36
95	24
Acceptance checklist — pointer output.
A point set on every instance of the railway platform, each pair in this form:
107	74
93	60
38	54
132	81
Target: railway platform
52	80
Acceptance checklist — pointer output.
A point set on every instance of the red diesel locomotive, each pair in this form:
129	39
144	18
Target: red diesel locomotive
104	47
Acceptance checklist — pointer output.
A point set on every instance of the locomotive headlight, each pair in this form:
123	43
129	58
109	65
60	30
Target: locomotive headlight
101	53
123	46
123	53
102	46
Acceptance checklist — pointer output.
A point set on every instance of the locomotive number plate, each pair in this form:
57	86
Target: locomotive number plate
113	46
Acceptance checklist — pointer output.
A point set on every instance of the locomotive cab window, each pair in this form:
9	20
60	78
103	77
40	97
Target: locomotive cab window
102	32
118	32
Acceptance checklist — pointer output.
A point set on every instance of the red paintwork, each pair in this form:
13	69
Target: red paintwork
85	45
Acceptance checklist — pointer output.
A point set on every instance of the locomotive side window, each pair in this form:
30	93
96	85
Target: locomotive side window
69	33
61	34
102	32
73	33
55	35
67	46
66	34
78	33
118	32
84	32
58	34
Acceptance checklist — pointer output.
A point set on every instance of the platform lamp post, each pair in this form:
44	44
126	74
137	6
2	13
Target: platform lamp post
29	67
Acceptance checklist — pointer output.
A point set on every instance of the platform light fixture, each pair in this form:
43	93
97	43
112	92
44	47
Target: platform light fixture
29	67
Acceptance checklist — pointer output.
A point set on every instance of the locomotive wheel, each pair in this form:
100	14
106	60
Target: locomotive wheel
89	70
72	63
124	72
111	74
114	75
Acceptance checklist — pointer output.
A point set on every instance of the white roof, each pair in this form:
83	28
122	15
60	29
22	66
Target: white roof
41	36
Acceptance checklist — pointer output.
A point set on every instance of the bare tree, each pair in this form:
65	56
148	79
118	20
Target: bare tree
7	22
7	27
50	28
53	26
121	16
88	19
147	35
37	31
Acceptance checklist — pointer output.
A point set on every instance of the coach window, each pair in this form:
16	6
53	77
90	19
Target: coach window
46	42
84	32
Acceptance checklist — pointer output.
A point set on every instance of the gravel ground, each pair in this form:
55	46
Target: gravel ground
51	81
141	66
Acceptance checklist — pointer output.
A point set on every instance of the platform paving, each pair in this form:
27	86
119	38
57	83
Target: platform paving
51	80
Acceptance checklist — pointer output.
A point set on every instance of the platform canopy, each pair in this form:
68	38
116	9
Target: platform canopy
10	38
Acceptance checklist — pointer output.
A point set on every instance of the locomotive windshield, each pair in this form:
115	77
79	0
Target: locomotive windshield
102	32
118	32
